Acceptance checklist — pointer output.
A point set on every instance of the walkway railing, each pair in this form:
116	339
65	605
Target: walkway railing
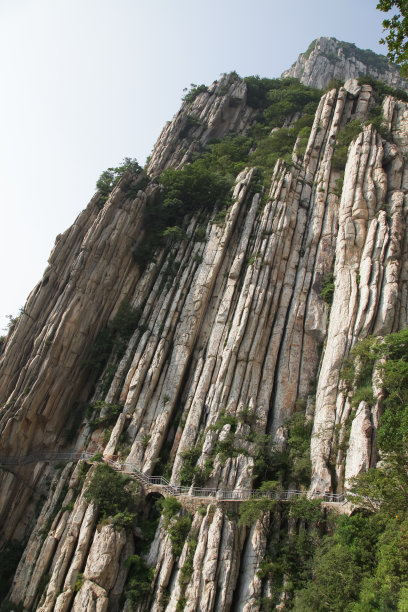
159	482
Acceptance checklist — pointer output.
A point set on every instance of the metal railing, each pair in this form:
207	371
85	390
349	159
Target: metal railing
238	495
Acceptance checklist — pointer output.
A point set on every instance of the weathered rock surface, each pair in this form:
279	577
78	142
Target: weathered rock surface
328	58
235	325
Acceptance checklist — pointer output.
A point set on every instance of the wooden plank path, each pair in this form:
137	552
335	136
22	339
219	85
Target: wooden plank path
158	484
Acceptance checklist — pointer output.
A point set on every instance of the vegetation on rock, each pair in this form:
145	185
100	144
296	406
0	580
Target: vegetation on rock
114	494
356	563
110	177
175	523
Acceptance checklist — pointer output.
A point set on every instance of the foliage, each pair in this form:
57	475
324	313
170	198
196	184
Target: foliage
336	583
96	457
169	507
200	233
251	510
279	145
204	185
366	56
381	90
397	28
289	97
177	525
112	493
225	418
78	582
188	470
310	48
194	92
327	291
344	137
363	565
303	139
139	580
187	569
200	186
174	233
334	84
298	445
110	177
338	188
193	187
191	122
257	90
178	531
112	341
111	412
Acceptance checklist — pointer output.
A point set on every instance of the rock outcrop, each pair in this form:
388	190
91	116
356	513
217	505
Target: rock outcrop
328	58
233	337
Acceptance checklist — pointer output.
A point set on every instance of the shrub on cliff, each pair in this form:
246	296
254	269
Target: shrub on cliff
112	493
364	564
177	525
193	187
139	579
344	137
110	177
278	98
195	90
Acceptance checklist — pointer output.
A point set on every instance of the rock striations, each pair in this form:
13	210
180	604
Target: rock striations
328	58
233	336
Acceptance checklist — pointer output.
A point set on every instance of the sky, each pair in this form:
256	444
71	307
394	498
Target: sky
86	83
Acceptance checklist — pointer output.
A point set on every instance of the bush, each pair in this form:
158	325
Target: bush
191	188
303	139
252	510
298	445
178	531
194	92
110	491
188	470
278	97
110	177
187	570
111	414
289	98
169	507
174	233
278	145
344	137
327	291
257	90
177	526
381	90
139	580
112	342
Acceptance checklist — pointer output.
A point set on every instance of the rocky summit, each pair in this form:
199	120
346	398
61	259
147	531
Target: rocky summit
328	58
185	396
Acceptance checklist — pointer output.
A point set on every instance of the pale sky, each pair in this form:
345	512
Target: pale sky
88	82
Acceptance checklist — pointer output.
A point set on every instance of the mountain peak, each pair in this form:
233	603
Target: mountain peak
328	58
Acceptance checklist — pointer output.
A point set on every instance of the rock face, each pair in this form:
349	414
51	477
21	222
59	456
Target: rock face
233	335
328	58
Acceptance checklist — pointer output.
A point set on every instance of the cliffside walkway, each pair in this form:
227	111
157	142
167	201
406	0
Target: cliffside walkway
158	484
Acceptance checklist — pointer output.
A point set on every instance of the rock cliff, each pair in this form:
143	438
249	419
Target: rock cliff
328	58
233	327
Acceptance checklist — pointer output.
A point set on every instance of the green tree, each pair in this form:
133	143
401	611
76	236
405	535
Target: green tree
109	178
139	579
397	28
111	492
